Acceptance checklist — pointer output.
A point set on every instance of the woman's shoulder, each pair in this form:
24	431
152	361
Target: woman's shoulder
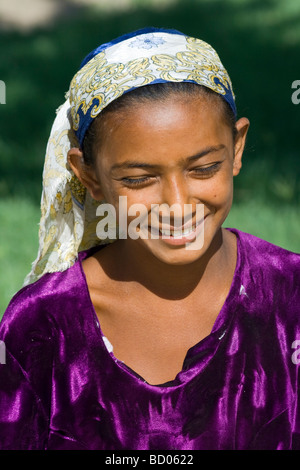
260	252
270	271
269	276
38	309
46	289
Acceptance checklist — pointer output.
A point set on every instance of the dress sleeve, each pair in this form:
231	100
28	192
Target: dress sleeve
26	359
23	423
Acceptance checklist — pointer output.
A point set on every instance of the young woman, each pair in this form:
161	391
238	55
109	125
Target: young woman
179	334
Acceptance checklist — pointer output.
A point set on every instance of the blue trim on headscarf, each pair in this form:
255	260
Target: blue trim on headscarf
228	95
86	119
104	46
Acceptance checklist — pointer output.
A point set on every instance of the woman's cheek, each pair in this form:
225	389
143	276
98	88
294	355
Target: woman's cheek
213	191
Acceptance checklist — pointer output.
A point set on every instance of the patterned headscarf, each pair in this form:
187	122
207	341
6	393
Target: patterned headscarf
145	57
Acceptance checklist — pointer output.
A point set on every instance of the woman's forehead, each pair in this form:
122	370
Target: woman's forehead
151	132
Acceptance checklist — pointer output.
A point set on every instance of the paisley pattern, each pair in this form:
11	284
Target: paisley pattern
68	213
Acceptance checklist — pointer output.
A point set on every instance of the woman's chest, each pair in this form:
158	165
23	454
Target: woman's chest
152	337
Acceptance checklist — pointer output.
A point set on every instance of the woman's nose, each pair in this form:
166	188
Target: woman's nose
175	198
175	190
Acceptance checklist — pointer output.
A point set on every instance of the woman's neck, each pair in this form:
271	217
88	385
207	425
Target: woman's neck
131	262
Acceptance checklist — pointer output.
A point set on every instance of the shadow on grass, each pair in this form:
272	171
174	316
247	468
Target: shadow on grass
261	57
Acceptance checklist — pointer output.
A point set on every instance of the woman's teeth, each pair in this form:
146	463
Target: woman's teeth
177	233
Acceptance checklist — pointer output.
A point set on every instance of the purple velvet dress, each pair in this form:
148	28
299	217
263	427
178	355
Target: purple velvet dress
62	388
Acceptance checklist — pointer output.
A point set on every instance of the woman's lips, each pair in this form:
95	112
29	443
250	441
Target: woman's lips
178	235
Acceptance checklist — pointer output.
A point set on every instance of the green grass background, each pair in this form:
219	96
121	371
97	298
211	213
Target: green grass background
258	42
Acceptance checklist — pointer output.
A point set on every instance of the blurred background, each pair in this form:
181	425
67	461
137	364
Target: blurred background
42	43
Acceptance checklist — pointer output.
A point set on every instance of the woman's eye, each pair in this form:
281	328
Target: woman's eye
136	181
207	170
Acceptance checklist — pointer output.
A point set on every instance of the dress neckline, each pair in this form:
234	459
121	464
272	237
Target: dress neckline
198	356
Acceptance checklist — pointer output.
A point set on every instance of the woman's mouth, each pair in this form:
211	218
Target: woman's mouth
179	235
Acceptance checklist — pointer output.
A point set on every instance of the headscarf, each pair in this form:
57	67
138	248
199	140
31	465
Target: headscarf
145	57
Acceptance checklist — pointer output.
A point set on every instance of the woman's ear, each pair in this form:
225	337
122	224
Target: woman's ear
85	173
242	126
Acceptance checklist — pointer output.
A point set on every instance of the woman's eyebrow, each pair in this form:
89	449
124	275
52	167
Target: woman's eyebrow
133	164
211	149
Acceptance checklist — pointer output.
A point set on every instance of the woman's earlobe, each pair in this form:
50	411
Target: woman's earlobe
85	173
75	161
242	126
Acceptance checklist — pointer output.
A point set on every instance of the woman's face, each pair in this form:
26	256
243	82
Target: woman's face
176	152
